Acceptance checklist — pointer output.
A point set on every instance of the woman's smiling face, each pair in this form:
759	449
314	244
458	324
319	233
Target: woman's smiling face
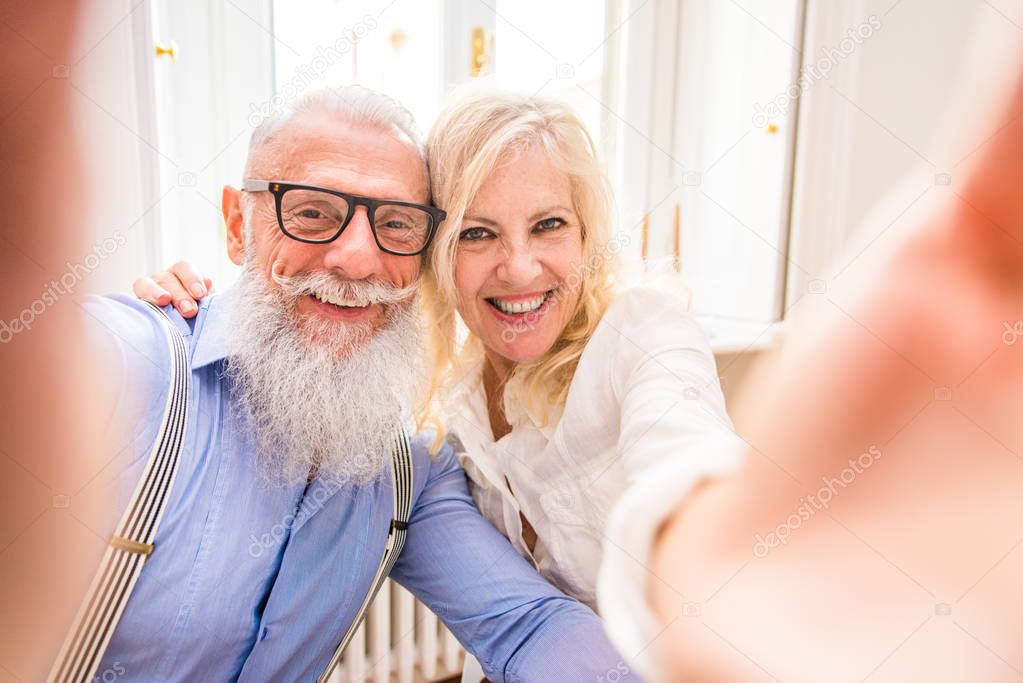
518	266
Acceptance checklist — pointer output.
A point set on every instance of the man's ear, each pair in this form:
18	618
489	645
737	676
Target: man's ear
234	220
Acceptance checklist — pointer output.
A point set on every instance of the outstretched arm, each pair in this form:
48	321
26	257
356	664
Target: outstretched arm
50	437
875	530
516	624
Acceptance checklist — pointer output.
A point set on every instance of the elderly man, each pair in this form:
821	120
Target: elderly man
301	377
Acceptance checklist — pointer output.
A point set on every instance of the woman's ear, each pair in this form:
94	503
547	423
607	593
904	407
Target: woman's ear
234	221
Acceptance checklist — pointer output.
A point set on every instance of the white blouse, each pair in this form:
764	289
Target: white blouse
646	391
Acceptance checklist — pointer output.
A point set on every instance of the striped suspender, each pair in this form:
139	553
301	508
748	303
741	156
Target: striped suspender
131	545
401	469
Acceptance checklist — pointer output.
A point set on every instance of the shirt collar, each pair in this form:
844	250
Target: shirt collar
211	329
465	398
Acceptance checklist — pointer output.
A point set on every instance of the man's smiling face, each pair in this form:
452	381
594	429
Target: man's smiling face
325	150
324	383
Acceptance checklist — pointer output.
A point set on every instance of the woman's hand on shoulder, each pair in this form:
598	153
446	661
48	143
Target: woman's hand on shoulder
179	285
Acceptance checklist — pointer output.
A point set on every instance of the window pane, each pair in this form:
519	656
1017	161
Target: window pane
399	49
555	48
394	47
735	60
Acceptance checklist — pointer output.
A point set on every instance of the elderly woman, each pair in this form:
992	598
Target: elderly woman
565	387
562	387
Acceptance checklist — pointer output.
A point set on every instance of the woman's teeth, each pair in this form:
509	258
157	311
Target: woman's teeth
520	307
336	301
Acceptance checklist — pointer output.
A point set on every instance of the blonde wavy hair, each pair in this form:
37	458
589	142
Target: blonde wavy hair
477	127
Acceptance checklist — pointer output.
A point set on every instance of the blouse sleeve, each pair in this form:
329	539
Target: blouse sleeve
675	433
665	381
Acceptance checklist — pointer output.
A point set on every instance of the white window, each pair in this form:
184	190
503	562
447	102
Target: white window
207	100
394	47
417	50
705	155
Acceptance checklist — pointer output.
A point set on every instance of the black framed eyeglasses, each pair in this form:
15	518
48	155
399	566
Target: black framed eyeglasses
318	215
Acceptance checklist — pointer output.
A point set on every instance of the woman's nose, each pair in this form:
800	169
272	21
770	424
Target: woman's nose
521	265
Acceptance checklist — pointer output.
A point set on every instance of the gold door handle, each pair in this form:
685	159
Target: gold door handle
170	49
646	238
481	49
678	238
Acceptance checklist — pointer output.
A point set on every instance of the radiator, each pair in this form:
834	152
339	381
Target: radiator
401	641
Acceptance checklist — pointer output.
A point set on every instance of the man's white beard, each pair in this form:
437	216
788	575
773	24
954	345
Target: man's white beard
321	394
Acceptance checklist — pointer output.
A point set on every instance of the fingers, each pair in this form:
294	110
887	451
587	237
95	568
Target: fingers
196	286
147	289
164	288
183	300
178	285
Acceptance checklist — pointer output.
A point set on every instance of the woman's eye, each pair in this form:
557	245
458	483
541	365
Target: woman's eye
548	224
474	234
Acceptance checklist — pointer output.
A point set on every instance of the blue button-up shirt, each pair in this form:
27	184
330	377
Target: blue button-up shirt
258	583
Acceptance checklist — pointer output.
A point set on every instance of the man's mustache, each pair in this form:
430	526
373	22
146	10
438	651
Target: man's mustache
373	291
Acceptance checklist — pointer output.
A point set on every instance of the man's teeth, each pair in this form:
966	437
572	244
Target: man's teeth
519	307
349	303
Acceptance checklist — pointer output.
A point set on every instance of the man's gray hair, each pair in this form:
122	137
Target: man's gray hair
355	103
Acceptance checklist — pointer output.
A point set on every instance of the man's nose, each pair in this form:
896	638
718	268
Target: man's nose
521	266
355	255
